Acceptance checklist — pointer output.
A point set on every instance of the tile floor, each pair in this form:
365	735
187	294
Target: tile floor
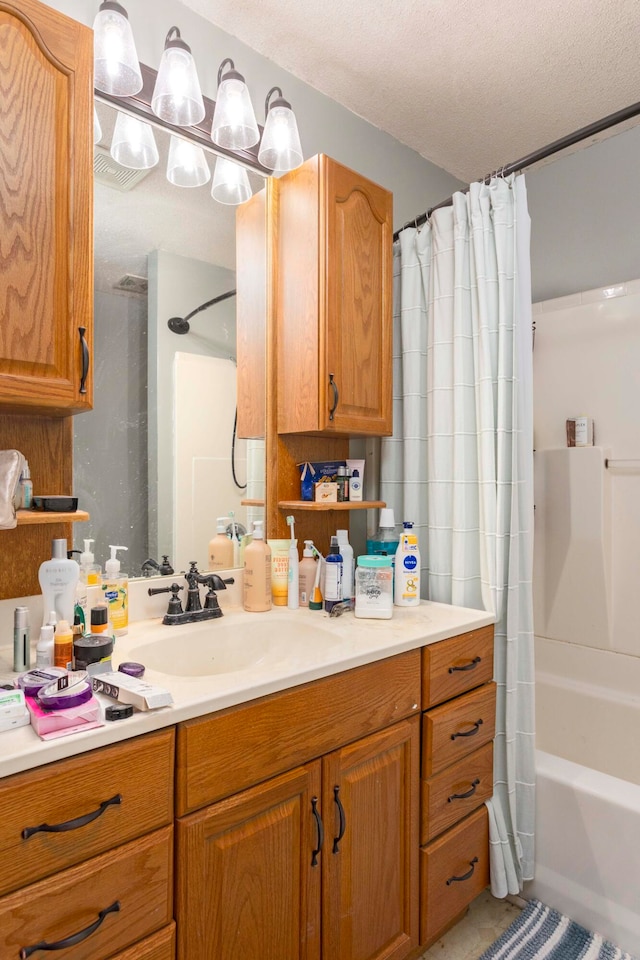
486	919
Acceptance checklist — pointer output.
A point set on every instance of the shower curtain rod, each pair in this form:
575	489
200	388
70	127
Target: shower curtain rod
589	131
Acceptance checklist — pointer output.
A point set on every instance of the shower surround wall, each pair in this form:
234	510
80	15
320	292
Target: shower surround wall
586	361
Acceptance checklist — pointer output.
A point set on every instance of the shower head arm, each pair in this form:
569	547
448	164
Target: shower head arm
181	324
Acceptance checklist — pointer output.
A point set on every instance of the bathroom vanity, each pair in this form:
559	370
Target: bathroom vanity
325	803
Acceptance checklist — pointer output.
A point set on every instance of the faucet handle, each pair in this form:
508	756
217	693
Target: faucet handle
174	603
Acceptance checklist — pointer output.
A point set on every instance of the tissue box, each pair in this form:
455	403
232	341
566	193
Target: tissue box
49	724
126	689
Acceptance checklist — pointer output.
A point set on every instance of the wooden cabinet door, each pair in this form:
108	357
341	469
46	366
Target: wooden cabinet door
355	367
46	196
370	864
246	886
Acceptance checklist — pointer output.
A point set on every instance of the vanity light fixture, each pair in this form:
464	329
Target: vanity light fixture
234	121
280	148
187	165
230	182
133	144
116	67
177	97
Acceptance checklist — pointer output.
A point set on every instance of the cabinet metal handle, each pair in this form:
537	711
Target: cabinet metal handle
465	796
468	666
74	939
465	876
320	828
343	820
72	824
85	360
468	733
336	396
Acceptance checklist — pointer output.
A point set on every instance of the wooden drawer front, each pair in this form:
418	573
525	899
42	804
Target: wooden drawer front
457	728
159	946
455	792
237	748
140	771
450	875
138	876
454	666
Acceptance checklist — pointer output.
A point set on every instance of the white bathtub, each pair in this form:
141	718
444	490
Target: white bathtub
588	795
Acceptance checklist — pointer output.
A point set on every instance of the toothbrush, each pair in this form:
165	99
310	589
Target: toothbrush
293	583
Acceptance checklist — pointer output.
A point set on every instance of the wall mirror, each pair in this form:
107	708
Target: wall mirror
157	461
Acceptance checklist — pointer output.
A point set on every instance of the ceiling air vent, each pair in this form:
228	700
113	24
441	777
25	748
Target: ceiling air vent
131	284
112	174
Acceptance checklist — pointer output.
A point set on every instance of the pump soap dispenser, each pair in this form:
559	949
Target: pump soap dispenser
116	593
221	548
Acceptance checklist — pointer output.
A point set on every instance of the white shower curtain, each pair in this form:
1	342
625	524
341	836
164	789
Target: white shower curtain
460	463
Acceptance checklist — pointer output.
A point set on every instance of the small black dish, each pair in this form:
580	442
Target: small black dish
56	504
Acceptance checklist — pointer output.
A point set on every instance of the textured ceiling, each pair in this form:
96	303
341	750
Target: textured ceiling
469	84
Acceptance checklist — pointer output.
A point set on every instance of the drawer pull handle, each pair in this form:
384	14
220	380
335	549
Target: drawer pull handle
465	796
343	820
320	828
74	939
85	360
468	733
468	666
72	824
465	876
336	396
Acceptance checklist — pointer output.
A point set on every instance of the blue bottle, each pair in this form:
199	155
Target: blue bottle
333	576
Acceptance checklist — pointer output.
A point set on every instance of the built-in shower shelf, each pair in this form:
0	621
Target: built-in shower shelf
26	517
341	505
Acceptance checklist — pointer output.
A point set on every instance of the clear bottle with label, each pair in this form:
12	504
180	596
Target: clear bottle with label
257	573
115	588
406	589
385	541
62	645
221	547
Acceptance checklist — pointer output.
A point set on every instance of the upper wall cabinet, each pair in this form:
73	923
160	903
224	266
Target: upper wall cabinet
46	210
333	250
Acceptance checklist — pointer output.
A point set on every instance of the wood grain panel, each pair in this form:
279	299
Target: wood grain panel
138	875
454	666
246	886
444	799
47	443
370	882
159	946
46	251
71	788
450	857
233	749
457	728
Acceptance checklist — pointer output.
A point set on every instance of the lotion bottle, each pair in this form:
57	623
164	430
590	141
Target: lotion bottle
347	565
221	548
116	593
44	647
58	578
257	573
406	584
306	574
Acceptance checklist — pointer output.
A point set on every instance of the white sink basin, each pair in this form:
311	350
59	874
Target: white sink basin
221	646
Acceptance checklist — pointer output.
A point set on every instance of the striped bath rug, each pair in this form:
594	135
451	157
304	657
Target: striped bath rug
540	933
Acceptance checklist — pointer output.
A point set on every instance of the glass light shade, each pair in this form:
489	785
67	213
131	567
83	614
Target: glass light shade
187	166
133	144
280	148
97	129
234	122
230	182
176	96
115	61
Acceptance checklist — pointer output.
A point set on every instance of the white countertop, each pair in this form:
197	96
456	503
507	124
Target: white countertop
276	650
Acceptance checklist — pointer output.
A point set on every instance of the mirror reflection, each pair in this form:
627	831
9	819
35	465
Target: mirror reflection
157	461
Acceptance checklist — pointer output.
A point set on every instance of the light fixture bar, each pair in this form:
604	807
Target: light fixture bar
140	106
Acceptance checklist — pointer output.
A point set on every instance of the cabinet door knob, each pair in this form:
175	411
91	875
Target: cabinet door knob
320	829
336	396
74	939
85	360
72	824
343	820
